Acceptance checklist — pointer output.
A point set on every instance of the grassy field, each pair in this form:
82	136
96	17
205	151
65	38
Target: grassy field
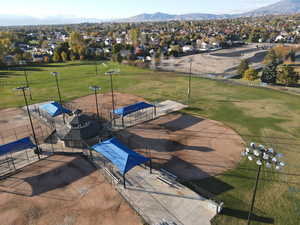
266	116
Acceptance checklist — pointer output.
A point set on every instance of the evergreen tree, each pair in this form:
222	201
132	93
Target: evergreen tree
269	74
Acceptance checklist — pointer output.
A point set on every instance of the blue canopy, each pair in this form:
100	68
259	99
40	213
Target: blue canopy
120	155
54	109
132	108
19	145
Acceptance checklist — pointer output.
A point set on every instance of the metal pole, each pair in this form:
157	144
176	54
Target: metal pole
112	97
29	115
254	195
58	90
190	82
97	104
27	84
124	181
96	68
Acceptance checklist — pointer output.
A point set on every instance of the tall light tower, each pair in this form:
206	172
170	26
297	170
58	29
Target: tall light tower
23	63
24	89
111	73
96	88
55	74
264	157
190	79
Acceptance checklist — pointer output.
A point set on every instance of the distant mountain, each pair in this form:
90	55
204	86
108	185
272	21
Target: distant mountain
284	7
281	7
16	20
167	17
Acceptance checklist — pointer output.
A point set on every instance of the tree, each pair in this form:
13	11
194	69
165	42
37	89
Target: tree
135	36
287	75
250	74
269	74
64	56
77	44
244	65
56	57
117	48
271	58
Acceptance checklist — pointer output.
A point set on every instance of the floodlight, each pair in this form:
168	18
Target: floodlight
277	167
256	152
265	156
279	155
253	145
282	164
268	165
95	88
259	162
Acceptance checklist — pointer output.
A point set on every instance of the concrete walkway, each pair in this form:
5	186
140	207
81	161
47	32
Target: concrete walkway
158	201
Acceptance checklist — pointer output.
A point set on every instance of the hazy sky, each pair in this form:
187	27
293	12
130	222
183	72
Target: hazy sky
124	8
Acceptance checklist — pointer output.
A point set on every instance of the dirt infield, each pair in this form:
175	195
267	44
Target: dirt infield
62	190
87	103
14	125
190	147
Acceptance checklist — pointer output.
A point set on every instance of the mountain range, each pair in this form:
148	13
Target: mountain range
282	7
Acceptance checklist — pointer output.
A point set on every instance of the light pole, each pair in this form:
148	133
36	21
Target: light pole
23	63
111	73
23	89
27	83
96	67
95	89
263	156
55	74
190	79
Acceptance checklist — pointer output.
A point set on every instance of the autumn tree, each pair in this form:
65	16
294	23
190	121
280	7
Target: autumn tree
77	44
244	65
250	74
56	57
287	75
135	36
64	56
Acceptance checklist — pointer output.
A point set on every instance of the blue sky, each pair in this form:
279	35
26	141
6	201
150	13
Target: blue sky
105	9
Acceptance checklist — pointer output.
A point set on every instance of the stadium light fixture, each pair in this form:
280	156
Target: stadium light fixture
55	74
23	89
262	156
96	88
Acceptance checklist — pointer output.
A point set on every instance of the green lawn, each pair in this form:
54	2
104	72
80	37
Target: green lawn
265	116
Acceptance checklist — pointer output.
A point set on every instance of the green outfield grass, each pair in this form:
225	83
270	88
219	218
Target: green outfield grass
262	115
